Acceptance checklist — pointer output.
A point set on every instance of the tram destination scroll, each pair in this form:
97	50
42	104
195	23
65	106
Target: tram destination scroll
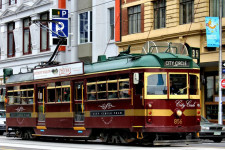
177	63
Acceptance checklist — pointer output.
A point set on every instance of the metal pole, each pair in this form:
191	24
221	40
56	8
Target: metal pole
220	105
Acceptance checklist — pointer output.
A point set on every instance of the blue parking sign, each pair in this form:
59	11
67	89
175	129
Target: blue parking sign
60	27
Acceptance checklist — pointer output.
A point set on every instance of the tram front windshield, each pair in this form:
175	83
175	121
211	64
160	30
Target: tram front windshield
178	84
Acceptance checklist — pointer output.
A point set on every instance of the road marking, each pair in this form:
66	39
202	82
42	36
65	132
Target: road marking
6	148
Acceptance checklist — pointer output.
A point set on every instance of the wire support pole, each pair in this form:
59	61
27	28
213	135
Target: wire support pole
220	104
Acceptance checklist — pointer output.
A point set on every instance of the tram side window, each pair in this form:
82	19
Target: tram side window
91	91
101	87
124	88
193	85
178	84
156	84
21	94
27	94
112	88
78	91
59	91
66	94
40	94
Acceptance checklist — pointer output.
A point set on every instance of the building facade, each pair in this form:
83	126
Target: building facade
25	45
178	21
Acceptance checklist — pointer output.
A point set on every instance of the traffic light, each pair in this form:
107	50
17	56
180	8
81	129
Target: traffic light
7	72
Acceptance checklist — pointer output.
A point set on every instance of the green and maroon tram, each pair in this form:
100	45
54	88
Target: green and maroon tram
151	97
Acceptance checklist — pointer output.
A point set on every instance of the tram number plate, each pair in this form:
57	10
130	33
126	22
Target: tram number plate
217	133
177	121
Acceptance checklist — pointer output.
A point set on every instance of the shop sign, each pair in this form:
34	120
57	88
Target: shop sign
59	71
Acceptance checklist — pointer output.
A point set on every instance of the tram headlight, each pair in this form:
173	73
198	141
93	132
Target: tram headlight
179	113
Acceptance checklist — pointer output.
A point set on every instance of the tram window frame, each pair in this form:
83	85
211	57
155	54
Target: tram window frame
155	95
91	91
78	90
180	91
40	94
113	94
124	91
196	85
61	92
23	94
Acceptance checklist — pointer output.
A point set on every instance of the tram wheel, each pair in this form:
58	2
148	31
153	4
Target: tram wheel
26	135
116	138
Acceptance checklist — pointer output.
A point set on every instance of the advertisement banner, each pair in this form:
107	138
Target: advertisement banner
212	31
59	71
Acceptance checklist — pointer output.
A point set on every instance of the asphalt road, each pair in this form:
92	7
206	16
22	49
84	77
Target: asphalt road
11	143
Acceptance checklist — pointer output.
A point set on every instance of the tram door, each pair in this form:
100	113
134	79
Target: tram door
41	104
79	102
138	93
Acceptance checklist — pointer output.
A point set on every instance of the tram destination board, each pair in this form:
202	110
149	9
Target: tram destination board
176	63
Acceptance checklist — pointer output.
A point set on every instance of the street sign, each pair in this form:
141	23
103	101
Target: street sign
61	27
223	83
223	70
59	13
223	64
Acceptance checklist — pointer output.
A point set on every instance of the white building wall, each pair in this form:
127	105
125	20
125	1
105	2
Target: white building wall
16	13
102	45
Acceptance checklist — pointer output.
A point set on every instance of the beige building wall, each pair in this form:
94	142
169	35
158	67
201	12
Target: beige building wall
193	34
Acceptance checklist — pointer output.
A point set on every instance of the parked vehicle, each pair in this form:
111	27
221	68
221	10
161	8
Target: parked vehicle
212	131
2	122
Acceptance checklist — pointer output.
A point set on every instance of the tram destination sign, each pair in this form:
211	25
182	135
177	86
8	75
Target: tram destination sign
59	71
176	63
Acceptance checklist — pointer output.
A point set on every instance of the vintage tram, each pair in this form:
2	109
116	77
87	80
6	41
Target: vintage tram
151	97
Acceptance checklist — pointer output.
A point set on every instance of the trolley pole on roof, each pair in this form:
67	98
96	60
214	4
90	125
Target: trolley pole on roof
220	104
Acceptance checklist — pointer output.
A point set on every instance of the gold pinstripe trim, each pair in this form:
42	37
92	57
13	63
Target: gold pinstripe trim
7	115
160	112
142	112
59	115
191	112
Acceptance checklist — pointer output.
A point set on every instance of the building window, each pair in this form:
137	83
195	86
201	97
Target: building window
211	95
11	43
0	4
186	11
85	27
160	14
111	23
44	35
26	37
134	19
11	2
215	8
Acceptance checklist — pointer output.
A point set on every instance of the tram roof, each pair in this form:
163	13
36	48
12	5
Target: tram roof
117	63
134	61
